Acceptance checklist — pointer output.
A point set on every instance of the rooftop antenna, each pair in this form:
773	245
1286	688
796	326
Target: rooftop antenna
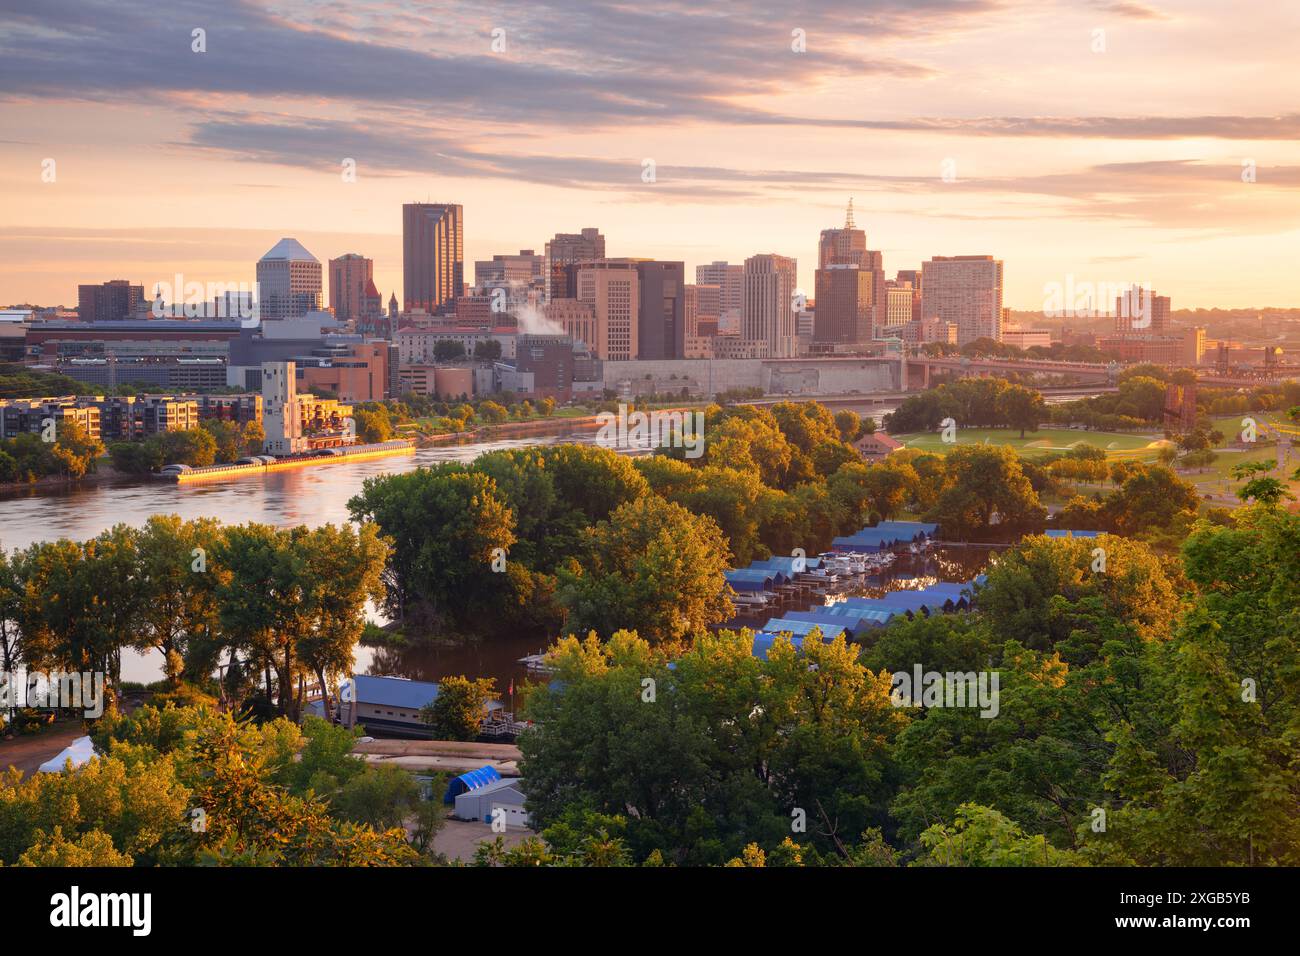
848	215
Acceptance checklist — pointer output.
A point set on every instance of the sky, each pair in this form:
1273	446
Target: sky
1080	142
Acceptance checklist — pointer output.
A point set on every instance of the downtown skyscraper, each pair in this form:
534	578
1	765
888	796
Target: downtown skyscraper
849	287
768	317
288	282
966	291
433	255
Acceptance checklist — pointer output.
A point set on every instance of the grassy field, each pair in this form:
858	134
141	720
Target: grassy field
1043	442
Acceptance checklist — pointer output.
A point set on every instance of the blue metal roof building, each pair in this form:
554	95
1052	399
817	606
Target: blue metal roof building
1067	533
764	640
747	580
803	628
393	691
472	780
829	622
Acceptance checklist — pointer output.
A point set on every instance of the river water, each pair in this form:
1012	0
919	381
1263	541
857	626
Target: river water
311	496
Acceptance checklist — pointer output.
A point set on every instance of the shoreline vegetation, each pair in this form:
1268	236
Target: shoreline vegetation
1143	687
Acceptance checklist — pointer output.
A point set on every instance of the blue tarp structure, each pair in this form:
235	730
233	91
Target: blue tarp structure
750	581
470	781
829	622
885	535
781	625
764	640
876	616
1067	533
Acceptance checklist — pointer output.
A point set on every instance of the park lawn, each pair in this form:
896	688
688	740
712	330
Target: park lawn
1042	442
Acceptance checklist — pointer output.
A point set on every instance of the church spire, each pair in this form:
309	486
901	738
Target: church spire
848	215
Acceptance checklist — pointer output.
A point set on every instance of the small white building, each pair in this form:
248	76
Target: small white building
505	795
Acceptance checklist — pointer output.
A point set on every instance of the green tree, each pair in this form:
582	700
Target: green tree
652	566
459	708
984	481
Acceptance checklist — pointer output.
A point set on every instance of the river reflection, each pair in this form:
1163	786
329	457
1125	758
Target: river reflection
314	496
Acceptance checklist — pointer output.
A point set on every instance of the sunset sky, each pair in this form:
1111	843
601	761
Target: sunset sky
1119	165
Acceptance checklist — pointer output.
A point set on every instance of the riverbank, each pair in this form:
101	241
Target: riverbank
512	430
104	472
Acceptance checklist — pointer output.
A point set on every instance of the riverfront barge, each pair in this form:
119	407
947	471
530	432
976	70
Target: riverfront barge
262	464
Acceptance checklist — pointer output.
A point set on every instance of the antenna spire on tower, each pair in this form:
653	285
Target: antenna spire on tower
848	215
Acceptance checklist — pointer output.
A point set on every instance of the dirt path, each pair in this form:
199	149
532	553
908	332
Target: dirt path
28	753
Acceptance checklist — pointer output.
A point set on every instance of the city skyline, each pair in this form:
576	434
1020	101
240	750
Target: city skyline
1097	157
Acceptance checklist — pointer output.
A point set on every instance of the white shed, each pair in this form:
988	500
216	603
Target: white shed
506	795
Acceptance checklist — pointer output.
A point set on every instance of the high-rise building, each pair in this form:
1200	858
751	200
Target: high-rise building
661	324
112	301
612	288
899	309
522	268
843	294
288	282
768	314
567	249
350	275
730	281
281	422
1141	310
433	255
842	247
849	287
966	291
913	278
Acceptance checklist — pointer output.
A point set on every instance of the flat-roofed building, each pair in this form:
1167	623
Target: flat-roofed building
966	291
612	288
768	316
433	255
568	249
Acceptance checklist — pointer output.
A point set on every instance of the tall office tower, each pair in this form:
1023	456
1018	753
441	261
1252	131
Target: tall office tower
1141	310
612	288
288	282
522	268
349	276
844	294
708	308
701	315
844	246
873	263
730	281
842	285
566	249
767	316
433	255
112	301
851	308
281	421
898	310
661	325
966	291
912	276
